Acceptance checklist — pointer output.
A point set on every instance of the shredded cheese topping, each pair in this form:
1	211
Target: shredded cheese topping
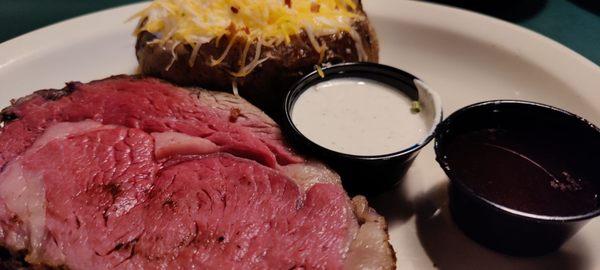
263	23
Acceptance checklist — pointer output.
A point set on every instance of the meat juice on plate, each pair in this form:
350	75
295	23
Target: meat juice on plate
358	116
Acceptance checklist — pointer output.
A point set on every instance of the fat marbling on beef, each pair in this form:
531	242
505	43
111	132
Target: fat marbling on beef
134	173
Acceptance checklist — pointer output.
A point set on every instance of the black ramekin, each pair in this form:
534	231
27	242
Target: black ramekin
501	228
366	175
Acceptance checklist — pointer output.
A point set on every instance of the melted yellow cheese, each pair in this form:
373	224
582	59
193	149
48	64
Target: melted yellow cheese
262	22
272	21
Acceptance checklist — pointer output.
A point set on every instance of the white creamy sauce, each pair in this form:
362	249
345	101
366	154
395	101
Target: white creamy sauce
358	116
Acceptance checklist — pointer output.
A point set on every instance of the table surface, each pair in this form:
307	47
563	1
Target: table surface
574	23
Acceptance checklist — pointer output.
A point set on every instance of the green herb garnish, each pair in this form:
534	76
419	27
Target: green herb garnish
415	107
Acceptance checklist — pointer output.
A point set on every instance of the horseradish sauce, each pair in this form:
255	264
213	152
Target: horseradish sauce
359	116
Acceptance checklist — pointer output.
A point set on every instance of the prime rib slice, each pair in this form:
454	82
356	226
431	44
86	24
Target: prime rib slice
134	173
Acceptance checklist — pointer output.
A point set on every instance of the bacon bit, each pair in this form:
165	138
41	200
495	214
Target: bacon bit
235	10
246	30
234	113
288	3
315	7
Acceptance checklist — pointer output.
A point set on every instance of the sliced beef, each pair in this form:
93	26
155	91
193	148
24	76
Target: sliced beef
91	190
148	105
132	173
242	214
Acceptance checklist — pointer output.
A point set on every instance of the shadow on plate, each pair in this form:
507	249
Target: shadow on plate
394	205
589	5
449	249
510	10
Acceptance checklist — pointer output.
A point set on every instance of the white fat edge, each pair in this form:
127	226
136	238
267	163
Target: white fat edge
310	173
24	194
23	191
431	105
65	129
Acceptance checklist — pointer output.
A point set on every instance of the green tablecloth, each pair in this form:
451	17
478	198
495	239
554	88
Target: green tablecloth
574	23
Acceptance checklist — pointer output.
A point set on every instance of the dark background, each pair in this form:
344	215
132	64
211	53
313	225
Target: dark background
574	23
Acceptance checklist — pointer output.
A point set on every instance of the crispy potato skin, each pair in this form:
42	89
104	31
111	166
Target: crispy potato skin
268	82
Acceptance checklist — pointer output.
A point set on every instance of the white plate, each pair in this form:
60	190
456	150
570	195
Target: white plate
466	57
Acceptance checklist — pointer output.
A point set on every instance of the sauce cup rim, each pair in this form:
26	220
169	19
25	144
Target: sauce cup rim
364	68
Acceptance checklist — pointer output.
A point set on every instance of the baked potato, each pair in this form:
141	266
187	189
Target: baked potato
255	48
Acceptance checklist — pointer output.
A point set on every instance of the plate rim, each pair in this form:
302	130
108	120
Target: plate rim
24	49
513	27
